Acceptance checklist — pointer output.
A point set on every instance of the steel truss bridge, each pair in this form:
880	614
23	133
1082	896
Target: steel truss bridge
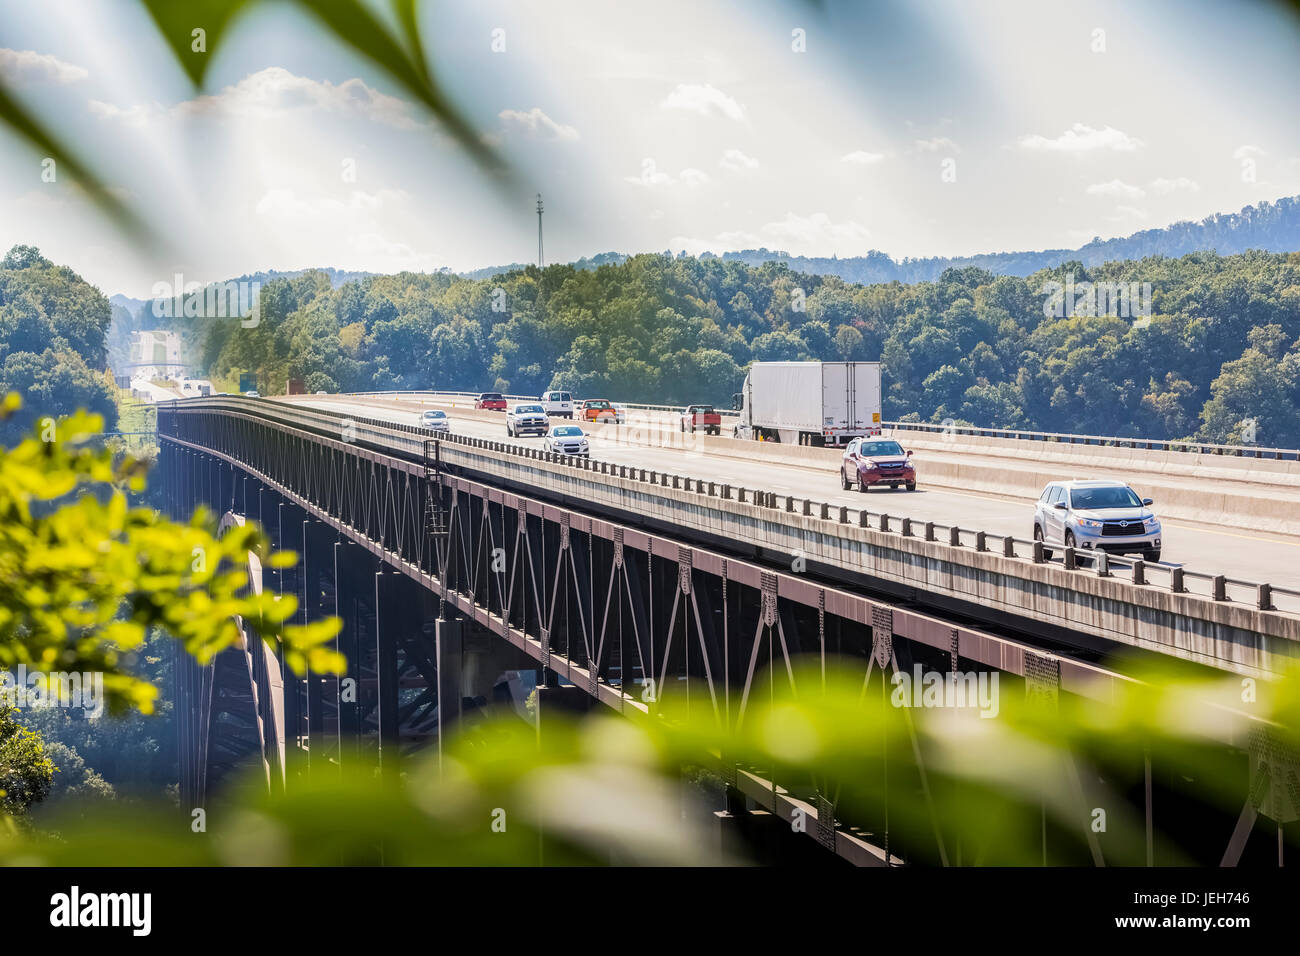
446	573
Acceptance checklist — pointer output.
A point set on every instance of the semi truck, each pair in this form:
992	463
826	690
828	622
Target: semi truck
809	403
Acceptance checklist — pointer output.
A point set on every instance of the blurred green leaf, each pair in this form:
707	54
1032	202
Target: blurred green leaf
22	121
350	21
179	23
353	23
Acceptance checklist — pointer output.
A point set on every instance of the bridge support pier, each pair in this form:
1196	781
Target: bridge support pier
449	660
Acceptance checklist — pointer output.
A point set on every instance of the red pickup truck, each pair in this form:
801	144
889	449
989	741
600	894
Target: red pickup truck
491	401
705	417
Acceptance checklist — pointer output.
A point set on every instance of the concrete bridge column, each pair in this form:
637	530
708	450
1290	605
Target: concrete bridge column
348	605
449	660
388	618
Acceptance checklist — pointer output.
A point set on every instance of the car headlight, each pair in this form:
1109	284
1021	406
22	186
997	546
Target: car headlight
1088	523
1152	523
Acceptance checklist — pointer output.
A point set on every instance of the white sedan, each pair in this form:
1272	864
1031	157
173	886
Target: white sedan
435	420
567	440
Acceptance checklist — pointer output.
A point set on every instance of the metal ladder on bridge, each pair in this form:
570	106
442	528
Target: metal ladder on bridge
435	515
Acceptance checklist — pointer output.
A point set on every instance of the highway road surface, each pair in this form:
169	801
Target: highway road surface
1246	555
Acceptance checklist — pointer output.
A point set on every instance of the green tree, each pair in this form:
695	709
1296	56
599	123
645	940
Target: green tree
848	343
26	772
1257	396
55	385
84	576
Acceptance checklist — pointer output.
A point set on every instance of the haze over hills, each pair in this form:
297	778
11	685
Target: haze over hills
1267	226
337	277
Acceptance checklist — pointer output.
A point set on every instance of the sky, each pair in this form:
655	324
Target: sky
917	128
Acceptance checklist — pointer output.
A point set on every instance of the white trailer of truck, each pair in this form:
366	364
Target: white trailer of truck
810	403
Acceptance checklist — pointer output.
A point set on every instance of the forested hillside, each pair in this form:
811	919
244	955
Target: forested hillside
1220	348
52	341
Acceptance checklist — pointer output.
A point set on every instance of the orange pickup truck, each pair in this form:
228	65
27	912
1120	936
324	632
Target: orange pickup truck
706	417
597	410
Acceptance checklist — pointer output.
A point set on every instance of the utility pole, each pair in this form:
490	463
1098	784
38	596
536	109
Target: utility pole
540	261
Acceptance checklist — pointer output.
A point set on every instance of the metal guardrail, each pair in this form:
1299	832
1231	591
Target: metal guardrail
1221	587
1149	444
1068	438
523	398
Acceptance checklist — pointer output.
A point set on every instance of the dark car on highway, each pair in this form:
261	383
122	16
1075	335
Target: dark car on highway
877	461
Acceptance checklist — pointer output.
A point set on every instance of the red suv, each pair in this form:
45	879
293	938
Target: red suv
491	401
877	461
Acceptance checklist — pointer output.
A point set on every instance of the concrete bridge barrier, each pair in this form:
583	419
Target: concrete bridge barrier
1245	493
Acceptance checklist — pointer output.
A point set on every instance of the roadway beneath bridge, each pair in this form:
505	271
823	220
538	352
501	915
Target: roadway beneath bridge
1259	556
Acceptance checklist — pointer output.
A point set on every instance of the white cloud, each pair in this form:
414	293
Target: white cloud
137	117
1082	139
815	234
286	204
1163	187
705	100
28	66
937	144
1246	151
273	93
861	157
736	160
1116	187
652	177
1129	214
363	223
816	229
536	123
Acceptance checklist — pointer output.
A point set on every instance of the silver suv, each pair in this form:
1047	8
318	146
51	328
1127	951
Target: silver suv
1096	516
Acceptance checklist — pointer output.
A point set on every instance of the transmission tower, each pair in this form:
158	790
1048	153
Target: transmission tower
540	260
